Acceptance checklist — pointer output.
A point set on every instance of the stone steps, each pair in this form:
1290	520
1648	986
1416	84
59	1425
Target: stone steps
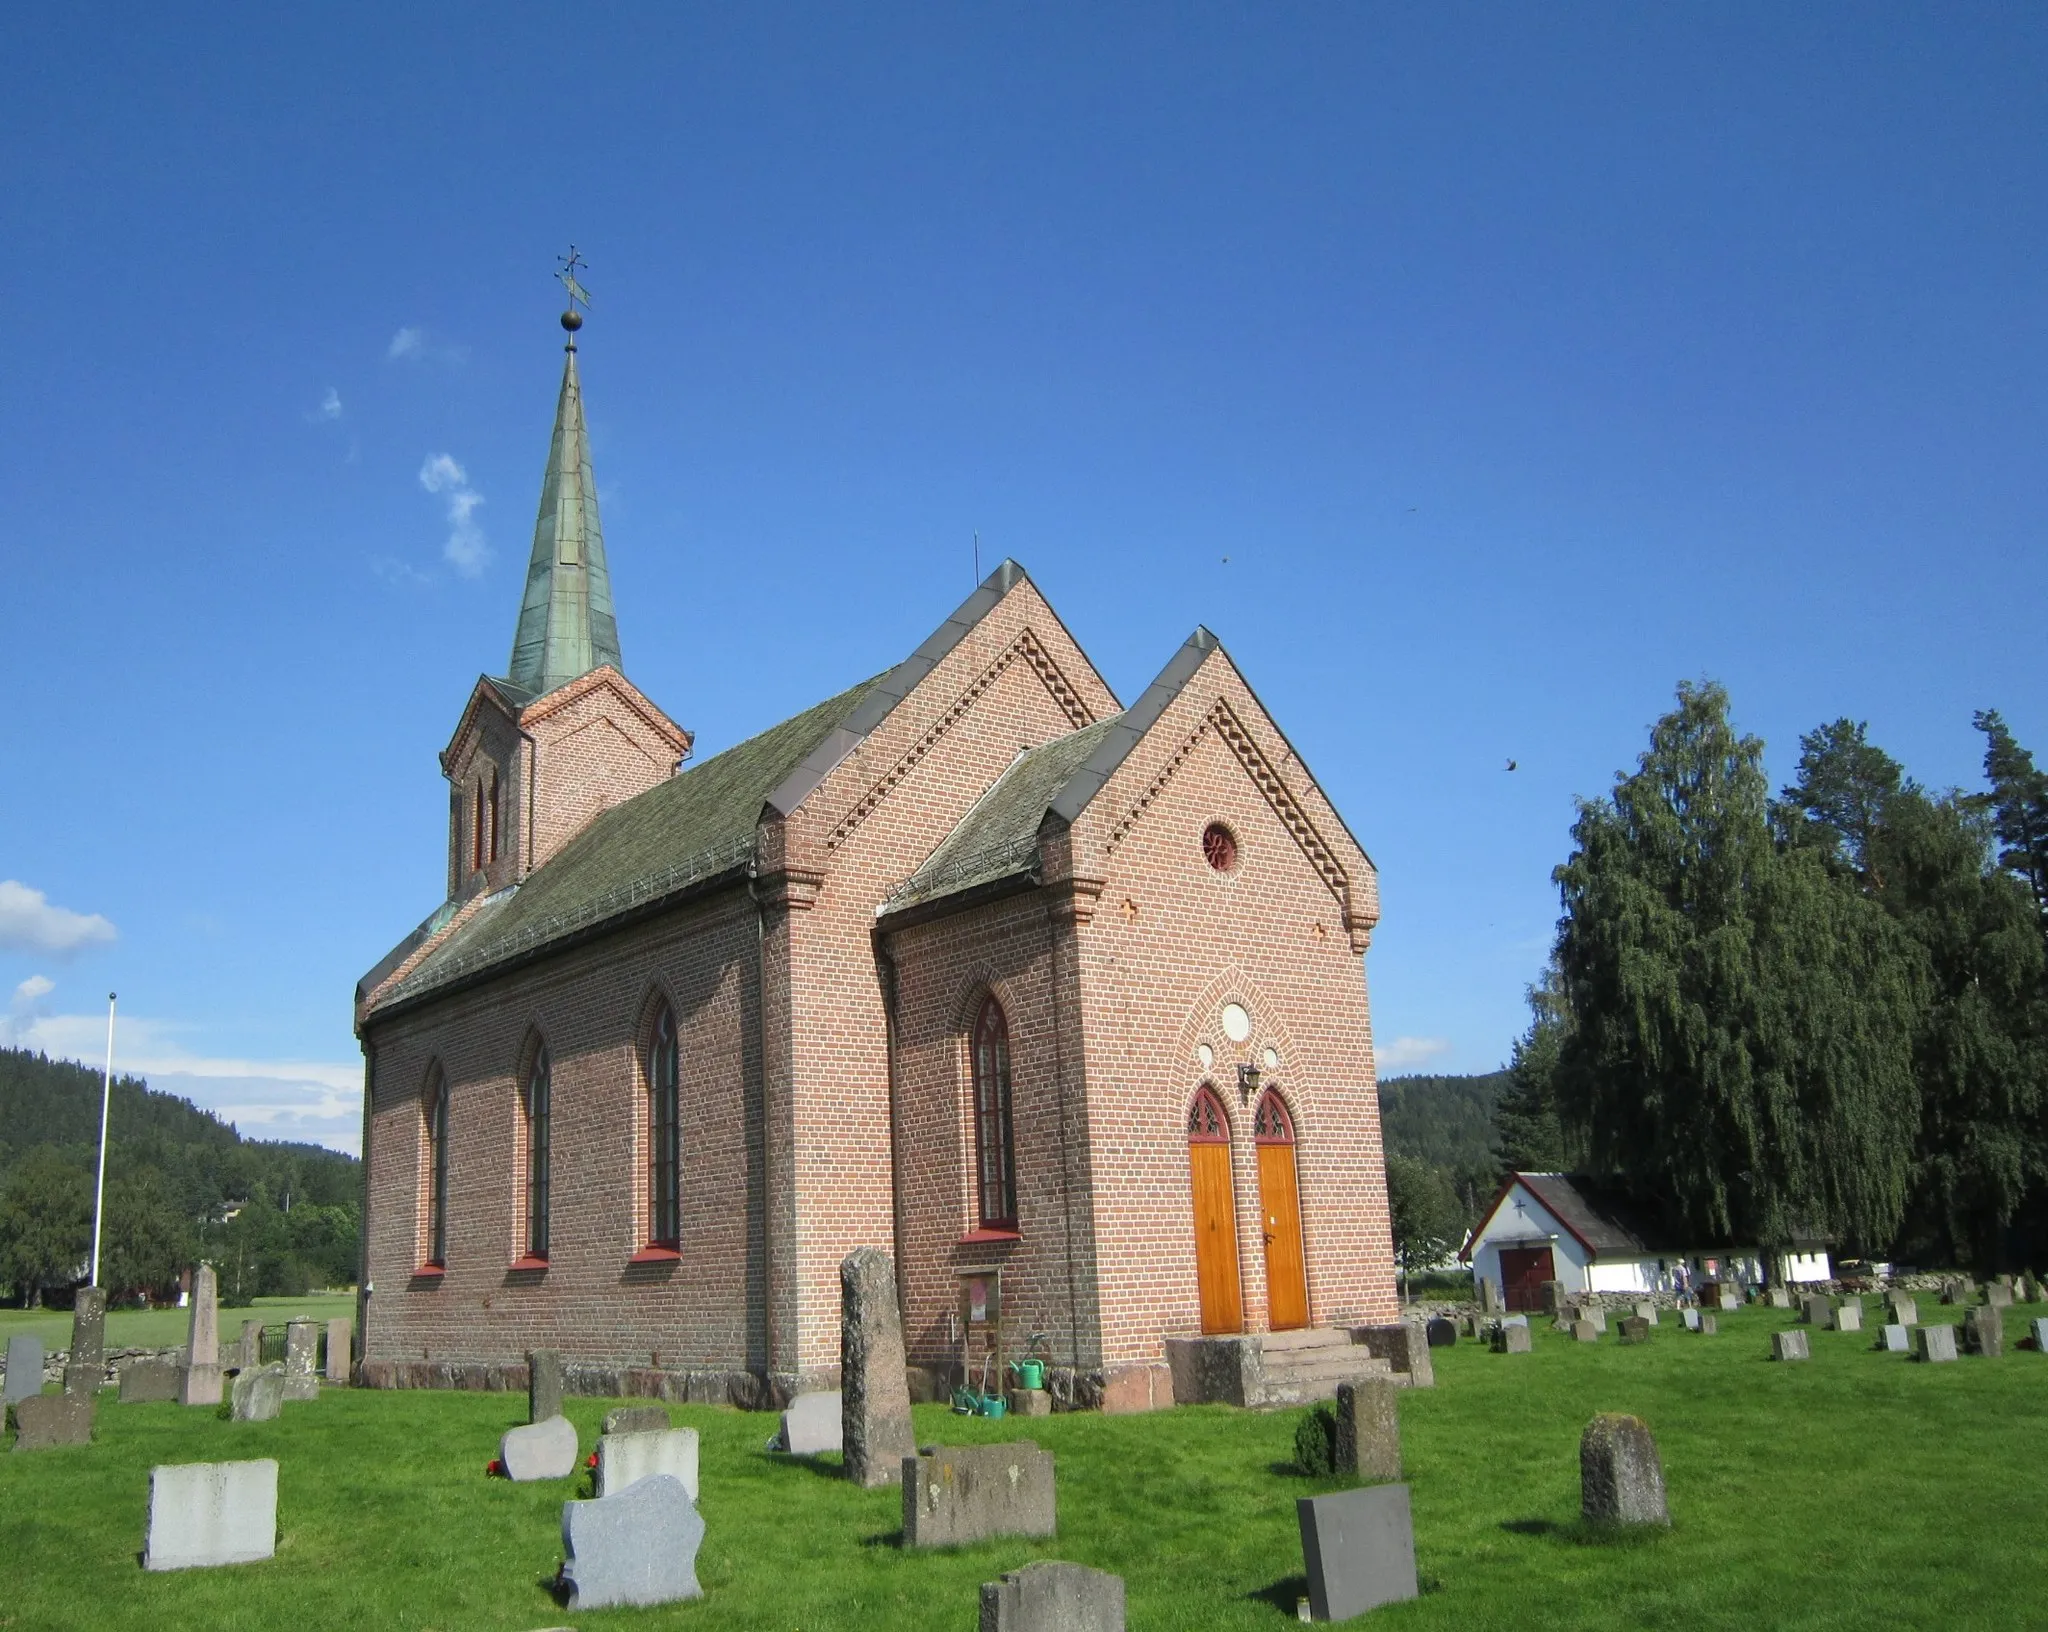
1298	1368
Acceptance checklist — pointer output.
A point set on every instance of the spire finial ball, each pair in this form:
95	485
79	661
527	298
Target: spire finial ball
572	320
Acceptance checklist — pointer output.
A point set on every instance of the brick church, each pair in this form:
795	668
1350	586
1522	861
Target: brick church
1060	1001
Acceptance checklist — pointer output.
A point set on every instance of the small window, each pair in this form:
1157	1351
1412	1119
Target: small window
476	832
1219	847
494	815
995	1154
436	1109
539	1150
664	1134
1207	1124
1273	1126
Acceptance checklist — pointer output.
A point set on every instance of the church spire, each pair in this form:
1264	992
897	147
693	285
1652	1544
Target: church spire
566	626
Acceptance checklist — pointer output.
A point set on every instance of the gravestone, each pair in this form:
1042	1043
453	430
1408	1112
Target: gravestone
2040	1330
1984	1331
1584	1331
1369	1429
1814	1311
1905	1312
1552	1293
1597	1317
540	1450
812	1425
206	1513
637	1419
636	1547
24	1369
874	1391
1647	1312
1954	1291
147	1382
47	1422
340	1334
1489	1296
1897	1339
1359	1549
201	1382
1709	1325
248	1350
1998	1297
1441	1333
1690	1319
301	1356
960	1493
1052	1597
543	1385
1510	1339
1405	1349
1789	1346
1934	1344
1621	1479
624	1459
1635	1329
85	1368
1849	1317
1725	1295
258	1394
1778	1298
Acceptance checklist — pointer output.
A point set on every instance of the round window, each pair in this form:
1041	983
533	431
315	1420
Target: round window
1219	847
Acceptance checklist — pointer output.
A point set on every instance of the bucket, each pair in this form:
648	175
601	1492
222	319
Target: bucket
1031	1374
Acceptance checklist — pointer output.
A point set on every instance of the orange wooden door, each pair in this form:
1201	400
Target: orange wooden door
1280	1214
1215	1217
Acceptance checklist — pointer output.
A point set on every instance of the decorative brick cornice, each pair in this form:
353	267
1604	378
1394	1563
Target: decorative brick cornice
1026	646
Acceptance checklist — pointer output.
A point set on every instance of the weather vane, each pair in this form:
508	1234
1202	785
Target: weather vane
572	320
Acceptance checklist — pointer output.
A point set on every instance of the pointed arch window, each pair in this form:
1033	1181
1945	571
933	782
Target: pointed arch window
476	831
494	814
664	1133
436	1111
1207	1124
1272	1125
995	1151
539	1096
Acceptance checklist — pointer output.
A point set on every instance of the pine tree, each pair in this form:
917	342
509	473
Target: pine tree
1526	1124
2019	805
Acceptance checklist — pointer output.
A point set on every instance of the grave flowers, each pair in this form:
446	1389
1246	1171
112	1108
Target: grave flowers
494	1469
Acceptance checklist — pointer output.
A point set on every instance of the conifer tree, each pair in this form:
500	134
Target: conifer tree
2019	806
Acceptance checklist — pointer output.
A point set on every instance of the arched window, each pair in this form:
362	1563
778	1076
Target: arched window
995	1154
664	1135
1272	1125
1206	1122
436	1109
476	831
539	1148
494	815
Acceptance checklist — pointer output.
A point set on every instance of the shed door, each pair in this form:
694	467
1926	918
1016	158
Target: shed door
1523	1270
1215	1215
1280	1206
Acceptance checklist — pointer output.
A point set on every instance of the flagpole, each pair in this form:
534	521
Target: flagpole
106	1096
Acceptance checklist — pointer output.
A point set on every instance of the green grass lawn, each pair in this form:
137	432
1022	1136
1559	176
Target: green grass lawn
161	1328
1858	1490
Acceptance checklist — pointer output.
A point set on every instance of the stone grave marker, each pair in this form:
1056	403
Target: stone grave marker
1635	1329
1954	1291
1849	1316
1359	1547
24	1369
1512	1339
1584	1331
637	1419
201	1382
1896	1339
258	1394
543	1385
1489	1296
47	1422
340	1336
1647	1311
1621	1478
146	1382
1998	1297
1725	1295
248	1350
1778	1298
1405	1349
1709	1325
1905	1312
540	1450
874	1391
1789	1346
206	1513
1690	1318
1369	1429
1552	1293
1597	1317
1053	1597
624	1459
961	1493
1984	1330
85	1367
1814	1310
1934	1343
812	1424
301	1354
1441	1333
636	1547
2040	1330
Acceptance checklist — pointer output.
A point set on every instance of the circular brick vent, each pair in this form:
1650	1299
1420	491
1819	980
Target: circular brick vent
1219	847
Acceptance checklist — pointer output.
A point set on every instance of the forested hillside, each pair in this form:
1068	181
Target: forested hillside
175	1174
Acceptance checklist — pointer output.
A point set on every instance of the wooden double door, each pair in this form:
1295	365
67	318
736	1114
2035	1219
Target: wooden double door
1215	1217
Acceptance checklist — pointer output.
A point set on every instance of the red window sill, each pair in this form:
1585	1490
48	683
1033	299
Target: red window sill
529	1262
656	1255
430	1272
978	1238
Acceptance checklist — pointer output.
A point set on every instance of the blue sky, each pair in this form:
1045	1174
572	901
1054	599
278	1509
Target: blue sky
1475	373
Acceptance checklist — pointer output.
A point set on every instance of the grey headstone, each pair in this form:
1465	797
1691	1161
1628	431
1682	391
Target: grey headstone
1789	1346
1441	1333
2040	1330
637	1419
146	1382
625	1459
961	1493
1053	1597
1934	1343
540	1450
1635	1329
1584	1331
1814	1311
1514	1340
1726	1295
202	1336
637	1546
1404	1347
1778	1298
204	1513
301	1357
1369	1429
1709	1324
1621	1479
1997	1296
1359	1547
813	1424
874	1390
340	1337
1597	1317
259	1393
1905	1312
1849	1317
1898	1339
82	1382
1985	1331
46	1422
1646	1312
89	1328
199	1385
1552	1293
1489	1296
24	1367
543	1385
1690	1318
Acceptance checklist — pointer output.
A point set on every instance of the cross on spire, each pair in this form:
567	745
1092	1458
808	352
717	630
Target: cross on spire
578	295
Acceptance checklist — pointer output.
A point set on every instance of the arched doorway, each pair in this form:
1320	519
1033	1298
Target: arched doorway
1280	1208
1215	1214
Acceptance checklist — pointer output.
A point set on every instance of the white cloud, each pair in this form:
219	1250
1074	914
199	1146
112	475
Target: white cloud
466	550
28	923
406	343
25	1007
330	405
1404	1052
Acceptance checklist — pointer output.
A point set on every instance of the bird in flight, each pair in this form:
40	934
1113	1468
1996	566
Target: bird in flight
1511	764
